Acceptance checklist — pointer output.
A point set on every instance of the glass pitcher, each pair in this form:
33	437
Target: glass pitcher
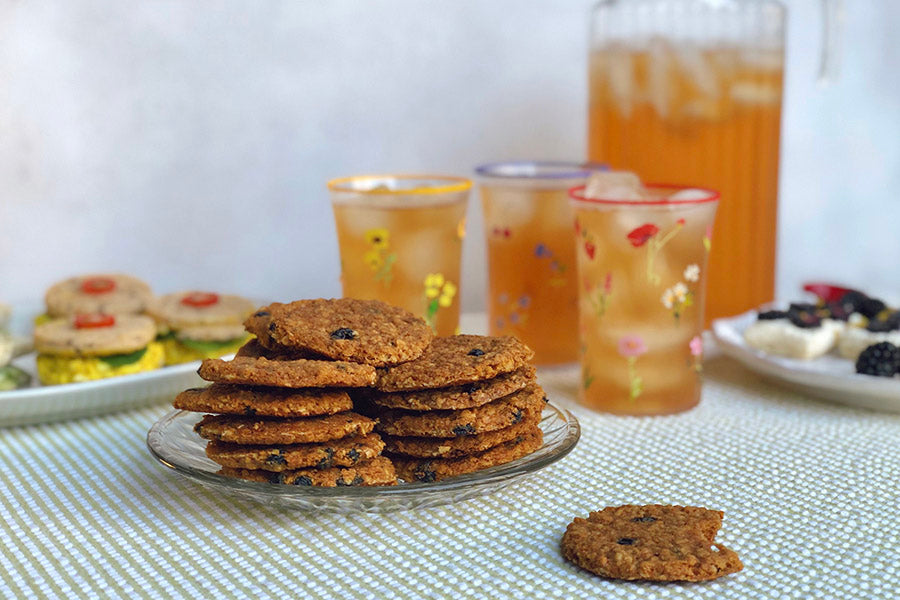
689	92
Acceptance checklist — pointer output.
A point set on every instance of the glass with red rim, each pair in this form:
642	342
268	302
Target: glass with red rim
532	290
642	285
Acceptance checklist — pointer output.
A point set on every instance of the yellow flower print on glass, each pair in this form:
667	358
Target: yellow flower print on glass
378	238
439	293
379	257
447	294
374	259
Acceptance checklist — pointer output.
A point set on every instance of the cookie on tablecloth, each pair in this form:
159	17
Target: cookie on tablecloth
300	373
362	331
435	469
378	471
468	395
653	543
343	452
456	360
492	416
230	399
258	431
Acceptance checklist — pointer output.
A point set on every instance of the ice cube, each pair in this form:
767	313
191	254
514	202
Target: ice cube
658	84
698	70
688	195
614	185
508	210
419	253
620	76
750	92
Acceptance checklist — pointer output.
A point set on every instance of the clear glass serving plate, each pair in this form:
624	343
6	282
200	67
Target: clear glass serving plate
174	443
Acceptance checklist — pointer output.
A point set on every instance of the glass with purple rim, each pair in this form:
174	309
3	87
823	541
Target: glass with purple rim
532	288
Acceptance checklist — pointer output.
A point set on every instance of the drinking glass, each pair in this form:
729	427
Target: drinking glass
642	267
532	285
400	238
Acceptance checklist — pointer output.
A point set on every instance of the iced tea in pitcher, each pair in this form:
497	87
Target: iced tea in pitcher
689	92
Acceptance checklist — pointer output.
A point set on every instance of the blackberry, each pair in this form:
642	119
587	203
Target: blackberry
771	315
870	307
894	319
881	360
882	325
852	300
803	307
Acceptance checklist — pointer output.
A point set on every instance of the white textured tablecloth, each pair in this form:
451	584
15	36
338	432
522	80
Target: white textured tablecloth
810	493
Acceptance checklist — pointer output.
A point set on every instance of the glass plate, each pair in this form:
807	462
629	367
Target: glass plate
173	442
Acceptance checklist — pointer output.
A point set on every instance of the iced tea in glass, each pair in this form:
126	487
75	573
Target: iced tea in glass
532	280
689	92
400	238
642	265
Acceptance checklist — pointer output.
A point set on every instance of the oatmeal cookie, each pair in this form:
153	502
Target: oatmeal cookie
653	543
261	431
344	452
512	409
254	349
362	331
423	447
300	373
224	398
469	395
435	469
456	360
378	471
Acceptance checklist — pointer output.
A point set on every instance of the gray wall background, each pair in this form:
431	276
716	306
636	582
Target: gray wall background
189	142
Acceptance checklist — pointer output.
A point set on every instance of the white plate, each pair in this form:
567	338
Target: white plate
43	404
830	377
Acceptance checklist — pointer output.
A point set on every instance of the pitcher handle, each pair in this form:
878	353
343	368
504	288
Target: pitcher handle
832	25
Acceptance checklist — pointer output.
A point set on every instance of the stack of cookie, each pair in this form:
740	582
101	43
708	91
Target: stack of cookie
468	403
282	409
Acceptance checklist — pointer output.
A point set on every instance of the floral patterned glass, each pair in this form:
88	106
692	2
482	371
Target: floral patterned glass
532	288
642	271
400	238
